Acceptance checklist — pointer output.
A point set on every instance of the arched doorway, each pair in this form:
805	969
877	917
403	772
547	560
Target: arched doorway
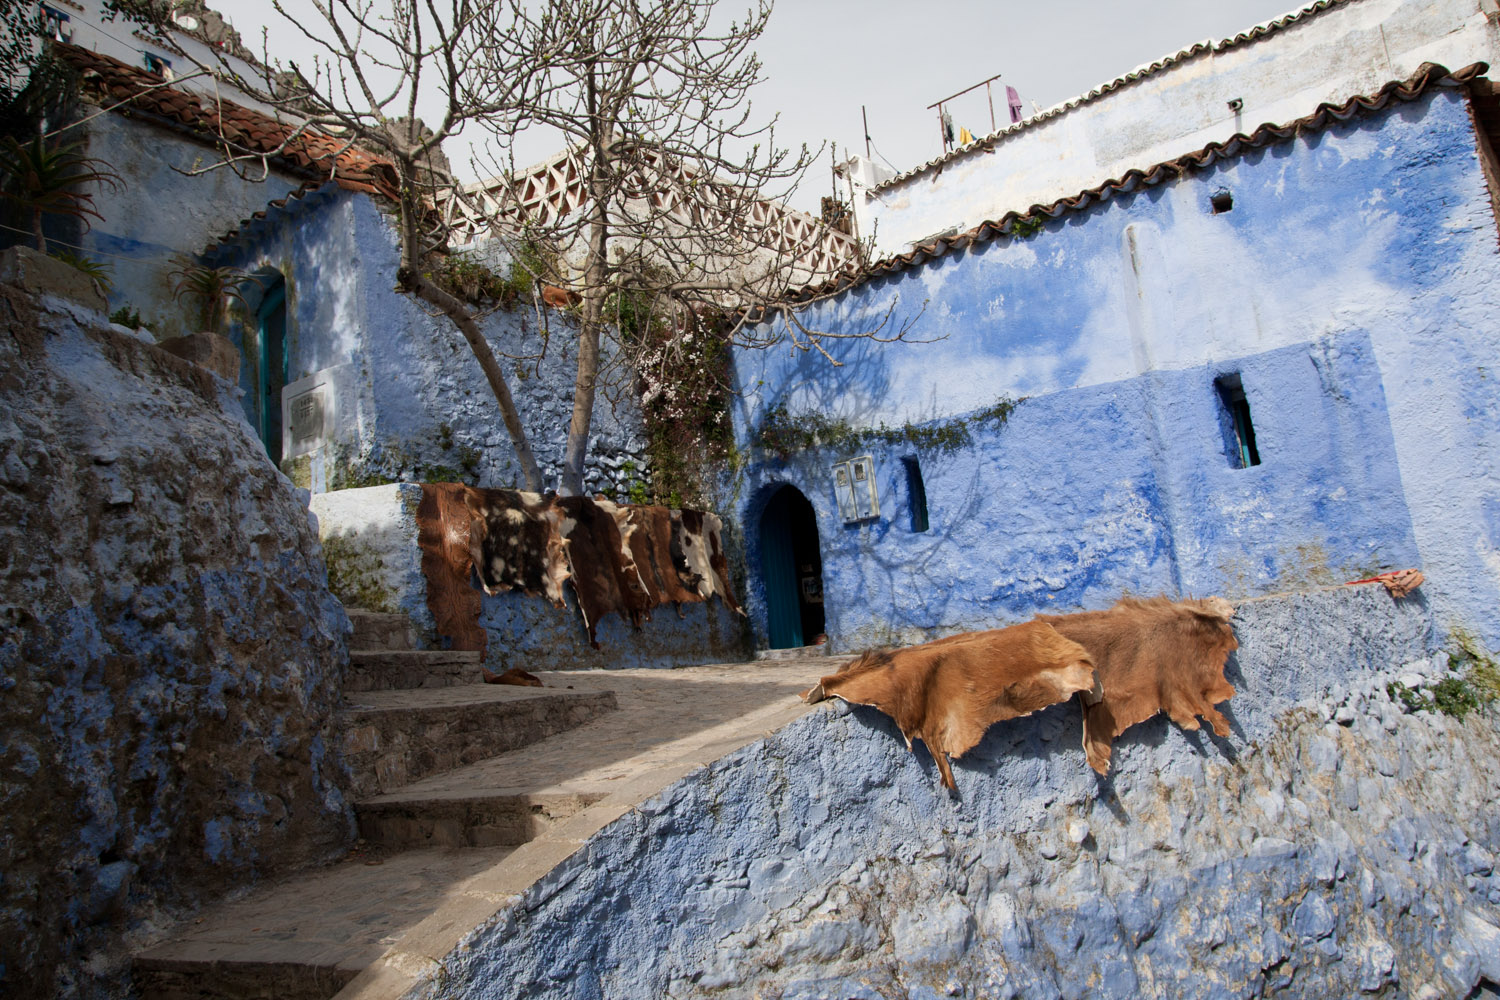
791	567
271	364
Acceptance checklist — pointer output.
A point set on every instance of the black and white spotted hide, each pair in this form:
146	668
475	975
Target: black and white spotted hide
516	543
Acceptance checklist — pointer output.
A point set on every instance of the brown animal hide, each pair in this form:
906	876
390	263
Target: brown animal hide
1152	656
948	693
516	543
690	553
595	558
713	531
639	599
661	530
515	675
443	536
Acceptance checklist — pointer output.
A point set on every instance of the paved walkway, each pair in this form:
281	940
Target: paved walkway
381	920
670	723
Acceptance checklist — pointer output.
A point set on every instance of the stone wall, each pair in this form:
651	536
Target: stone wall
1335	843
171	655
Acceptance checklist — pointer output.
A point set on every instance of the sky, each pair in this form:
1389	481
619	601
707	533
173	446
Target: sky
825	59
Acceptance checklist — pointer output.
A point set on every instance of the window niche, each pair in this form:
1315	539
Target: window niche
916	490
1235	423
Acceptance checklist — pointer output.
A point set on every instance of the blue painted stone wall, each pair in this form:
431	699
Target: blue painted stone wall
171	659
1352	286
1302	856
402	374
158	212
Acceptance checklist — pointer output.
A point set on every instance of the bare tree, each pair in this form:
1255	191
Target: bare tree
667	219
375	68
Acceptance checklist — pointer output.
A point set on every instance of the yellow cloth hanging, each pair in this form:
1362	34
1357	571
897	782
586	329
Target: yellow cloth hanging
964	136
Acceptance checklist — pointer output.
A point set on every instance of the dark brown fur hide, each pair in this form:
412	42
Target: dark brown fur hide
443	536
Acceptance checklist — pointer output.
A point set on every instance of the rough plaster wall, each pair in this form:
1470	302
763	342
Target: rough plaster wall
1301	857
370	537
171	657
1352	286
402	372
158	212
1352	49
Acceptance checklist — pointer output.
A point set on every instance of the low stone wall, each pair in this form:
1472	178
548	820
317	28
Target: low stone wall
1335	843
370	536
170	657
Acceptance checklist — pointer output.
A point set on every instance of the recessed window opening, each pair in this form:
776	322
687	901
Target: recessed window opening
1221	200
56	24
917	491
162	67
1234	421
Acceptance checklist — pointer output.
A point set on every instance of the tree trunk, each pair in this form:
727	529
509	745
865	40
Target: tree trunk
454	310
411	278
36	227
595	288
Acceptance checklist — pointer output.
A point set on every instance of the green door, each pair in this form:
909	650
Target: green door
273	367
778	569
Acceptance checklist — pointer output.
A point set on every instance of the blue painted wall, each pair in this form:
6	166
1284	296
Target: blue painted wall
1352	289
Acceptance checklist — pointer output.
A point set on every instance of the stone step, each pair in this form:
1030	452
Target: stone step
304	938
386	670
496	820
315	934
380	630
392	738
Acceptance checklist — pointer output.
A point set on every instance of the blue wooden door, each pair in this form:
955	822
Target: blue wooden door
778	568
273	367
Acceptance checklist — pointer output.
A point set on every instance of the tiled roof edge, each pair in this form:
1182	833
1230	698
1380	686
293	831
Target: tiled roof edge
1427	77
987	143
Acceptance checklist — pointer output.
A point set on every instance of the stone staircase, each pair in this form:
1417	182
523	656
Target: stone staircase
410	714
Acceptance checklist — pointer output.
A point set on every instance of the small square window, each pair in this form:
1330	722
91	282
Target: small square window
56	24
162	67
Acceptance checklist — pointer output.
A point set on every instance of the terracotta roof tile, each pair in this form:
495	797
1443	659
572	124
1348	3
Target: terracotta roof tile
1427	77
312	152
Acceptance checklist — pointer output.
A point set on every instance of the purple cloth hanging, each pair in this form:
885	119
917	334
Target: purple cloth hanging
1014	100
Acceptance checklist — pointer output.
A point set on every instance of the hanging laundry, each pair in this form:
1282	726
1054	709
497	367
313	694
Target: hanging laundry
964	136
1014	100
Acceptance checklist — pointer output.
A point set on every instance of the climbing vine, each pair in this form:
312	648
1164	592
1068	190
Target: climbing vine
681	361
784	434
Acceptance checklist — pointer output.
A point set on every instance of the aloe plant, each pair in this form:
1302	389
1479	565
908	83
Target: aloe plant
211	288
51	180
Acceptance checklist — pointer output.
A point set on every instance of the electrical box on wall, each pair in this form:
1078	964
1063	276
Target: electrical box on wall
306	415
854	485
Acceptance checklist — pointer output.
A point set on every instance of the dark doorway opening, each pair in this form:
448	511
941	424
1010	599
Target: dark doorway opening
272	367
791	568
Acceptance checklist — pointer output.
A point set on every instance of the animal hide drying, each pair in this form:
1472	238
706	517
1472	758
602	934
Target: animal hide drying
443	519
1152	656
621	558
636	592
515	676
690	555
948	693
596	557
713	531
516	543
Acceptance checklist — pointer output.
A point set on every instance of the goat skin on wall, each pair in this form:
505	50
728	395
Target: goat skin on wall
624	559
1138	658
948	693
1153	656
